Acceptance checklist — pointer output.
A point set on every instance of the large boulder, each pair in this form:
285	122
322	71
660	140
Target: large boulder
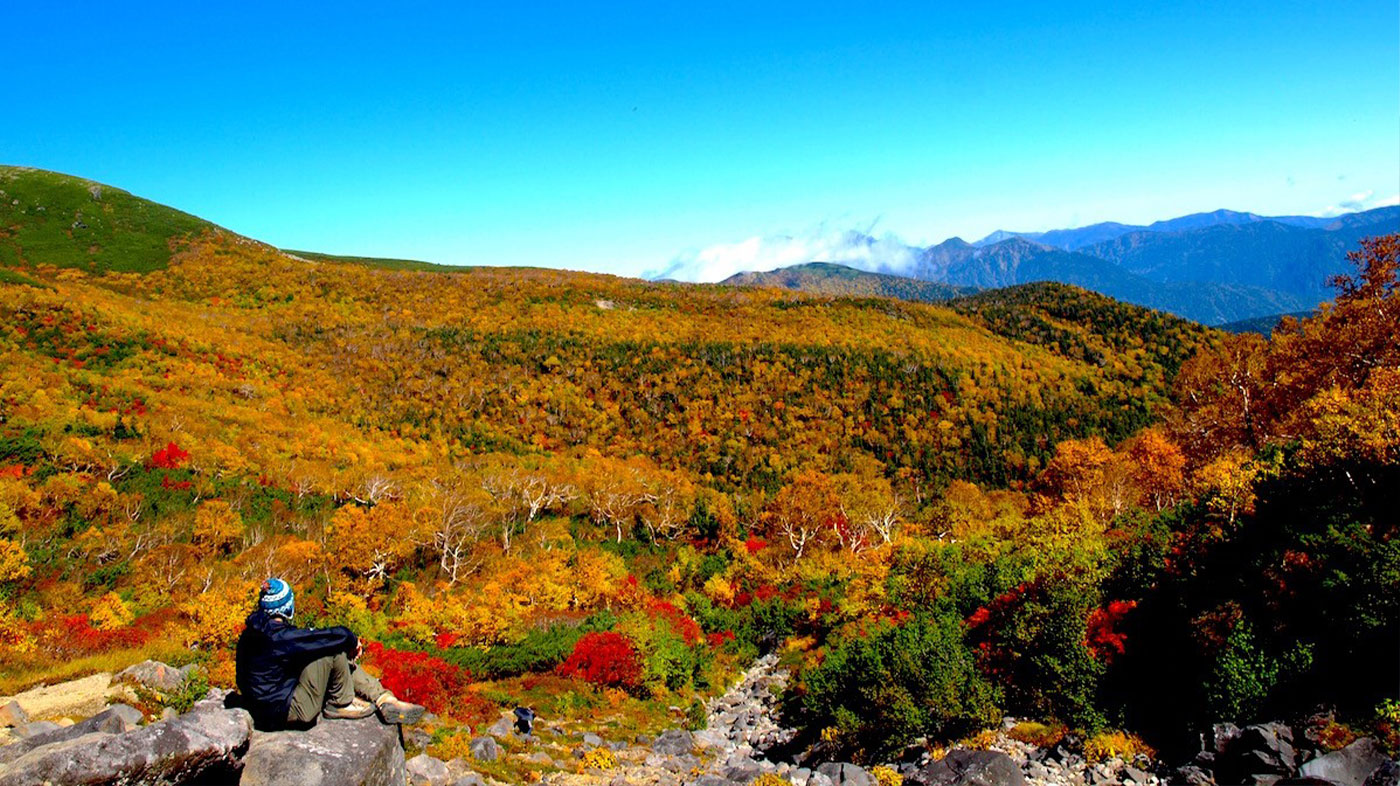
970	768
484	749
1350	766
204	743
154	675
846	775
362	752
113	720
1263	753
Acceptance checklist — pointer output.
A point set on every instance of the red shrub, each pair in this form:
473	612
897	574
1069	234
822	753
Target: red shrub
169	457
755	544
717	640
1100	637
421	678
685	627
604	659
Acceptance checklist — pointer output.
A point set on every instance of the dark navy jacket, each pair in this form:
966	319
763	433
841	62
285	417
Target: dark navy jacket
271	655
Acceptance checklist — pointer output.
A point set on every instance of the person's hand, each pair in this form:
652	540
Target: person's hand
359	649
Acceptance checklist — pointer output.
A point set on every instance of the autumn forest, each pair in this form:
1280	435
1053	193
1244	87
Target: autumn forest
587	493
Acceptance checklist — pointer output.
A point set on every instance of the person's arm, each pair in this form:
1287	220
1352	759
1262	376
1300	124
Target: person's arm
308	644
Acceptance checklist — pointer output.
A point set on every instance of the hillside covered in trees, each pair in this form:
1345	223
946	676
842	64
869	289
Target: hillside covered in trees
592	494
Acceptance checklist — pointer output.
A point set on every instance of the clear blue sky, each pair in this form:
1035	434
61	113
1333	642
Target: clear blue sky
614	136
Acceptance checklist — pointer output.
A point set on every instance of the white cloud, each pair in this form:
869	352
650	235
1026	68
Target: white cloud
1361	200
820	244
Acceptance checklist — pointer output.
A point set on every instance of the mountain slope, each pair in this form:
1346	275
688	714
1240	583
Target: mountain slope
825	278
1295	260
1019	261
47	218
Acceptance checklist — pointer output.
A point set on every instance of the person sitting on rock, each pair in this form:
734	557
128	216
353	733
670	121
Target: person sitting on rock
289	676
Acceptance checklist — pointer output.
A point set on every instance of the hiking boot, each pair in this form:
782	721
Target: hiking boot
393	710
357	708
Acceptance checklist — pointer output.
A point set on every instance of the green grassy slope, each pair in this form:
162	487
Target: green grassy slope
47	218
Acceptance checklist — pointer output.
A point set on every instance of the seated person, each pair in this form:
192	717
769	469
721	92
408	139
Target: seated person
289	676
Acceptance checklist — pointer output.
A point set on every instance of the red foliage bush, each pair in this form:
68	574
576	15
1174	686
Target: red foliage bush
755	544
604	659
1100	637
719	639
685	627
421	678
169	457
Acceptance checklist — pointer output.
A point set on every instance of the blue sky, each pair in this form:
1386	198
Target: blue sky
619	136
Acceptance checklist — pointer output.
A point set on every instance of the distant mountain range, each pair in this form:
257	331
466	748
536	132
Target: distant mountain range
1214	268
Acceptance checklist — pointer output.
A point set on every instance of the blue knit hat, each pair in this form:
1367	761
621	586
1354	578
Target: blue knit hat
277	598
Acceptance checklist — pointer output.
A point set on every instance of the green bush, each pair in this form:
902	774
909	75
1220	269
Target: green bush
880	690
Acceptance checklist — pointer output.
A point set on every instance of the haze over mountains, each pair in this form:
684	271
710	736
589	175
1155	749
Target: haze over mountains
1214	268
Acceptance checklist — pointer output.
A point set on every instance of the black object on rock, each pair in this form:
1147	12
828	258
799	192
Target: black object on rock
524	720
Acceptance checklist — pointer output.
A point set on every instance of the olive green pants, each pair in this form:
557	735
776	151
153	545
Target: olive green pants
332	679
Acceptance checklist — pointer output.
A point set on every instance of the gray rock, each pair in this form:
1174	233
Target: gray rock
1135	775
113	720
846	774
540	757
415	738
154	675
362	752
1350	766
742	771
200	744
709	780
673	742
1192	775
485	749
1265	750
592	740
13	715
470	779
169	713
818	779
970	768
424	770
34	728
502	728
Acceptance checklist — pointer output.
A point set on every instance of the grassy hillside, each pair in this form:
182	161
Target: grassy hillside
51	219
825	278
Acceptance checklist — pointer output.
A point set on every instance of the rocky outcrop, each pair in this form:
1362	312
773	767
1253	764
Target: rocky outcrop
113	720
203	743
73	699
1350	766
351	752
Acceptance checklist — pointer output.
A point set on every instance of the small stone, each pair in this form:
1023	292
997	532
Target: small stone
35	727
673	742
416	738
13	715
502	728
470	779
592	740
169	713
484	749
427	771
